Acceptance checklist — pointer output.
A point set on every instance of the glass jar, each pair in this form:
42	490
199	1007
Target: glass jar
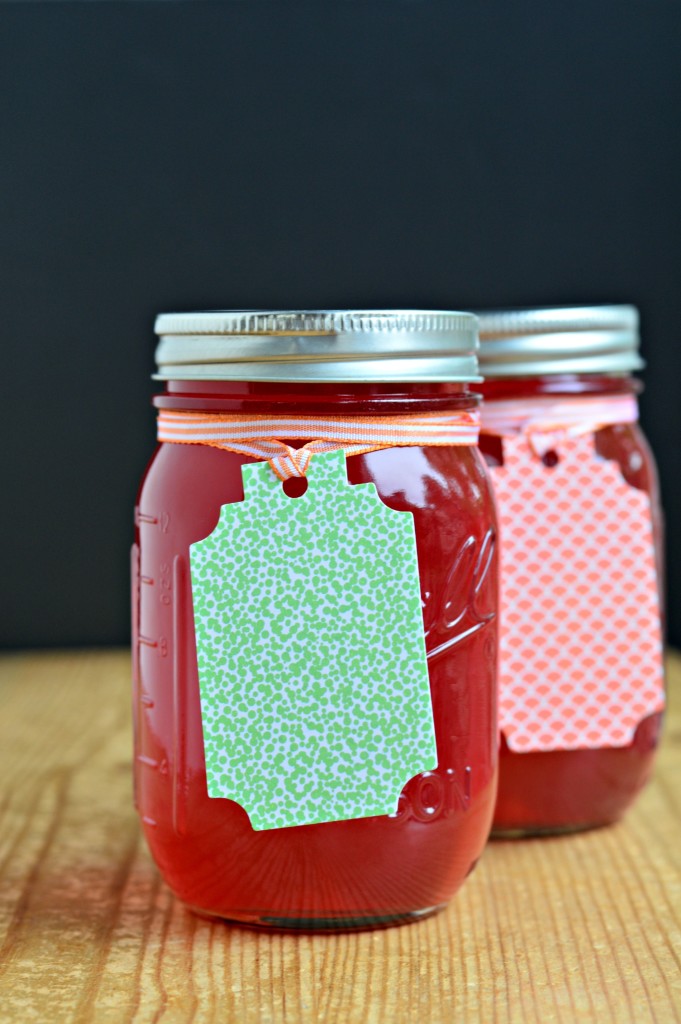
364	872
558	383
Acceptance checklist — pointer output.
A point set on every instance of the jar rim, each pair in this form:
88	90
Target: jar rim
318	345
559	340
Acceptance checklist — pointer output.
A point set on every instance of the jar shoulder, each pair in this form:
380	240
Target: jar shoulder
414	479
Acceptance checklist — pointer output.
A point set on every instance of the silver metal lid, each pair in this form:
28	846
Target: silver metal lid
318	345
577	339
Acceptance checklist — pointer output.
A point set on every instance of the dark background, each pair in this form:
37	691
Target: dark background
162	156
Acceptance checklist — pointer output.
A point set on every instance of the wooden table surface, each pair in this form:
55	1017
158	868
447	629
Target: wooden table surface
574	929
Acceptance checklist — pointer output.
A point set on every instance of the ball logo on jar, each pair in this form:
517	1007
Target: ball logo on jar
433	795
465	604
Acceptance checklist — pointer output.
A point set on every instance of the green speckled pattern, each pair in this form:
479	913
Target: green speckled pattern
312	666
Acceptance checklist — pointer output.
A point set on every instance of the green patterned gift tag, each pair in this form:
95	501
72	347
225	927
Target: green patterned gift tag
312	666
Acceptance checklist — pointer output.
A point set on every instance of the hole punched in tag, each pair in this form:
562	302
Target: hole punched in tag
295	486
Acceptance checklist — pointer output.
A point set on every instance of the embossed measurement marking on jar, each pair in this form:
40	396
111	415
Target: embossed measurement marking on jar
165	583
180	785
150	762
142	517
152	585
162	520
161	644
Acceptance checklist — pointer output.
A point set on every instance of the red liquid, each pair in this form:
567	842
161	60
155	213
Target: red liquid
356	873
566	790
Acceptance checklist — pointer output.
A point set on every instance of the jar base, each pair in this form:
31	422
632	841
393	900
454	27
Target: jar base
538	831
338	923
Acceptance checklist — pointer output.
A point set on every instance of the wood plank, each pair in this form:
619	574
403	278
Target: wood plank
582	928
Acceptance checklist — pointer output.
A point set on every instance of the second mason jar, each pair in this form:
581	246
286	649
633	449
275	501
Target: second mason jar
581	677
317	479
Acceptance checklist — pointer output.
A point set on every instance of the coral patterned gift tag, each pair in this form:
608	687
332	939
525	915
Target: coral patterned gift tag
581	645
314	684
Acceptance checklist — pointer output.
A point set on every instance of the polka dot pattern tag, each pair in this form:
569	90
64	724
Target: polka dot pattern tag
581	646
314	685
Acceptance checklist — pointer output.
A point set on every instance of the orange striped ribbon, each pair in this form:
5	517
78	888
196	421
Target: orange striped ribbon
259	437
548	421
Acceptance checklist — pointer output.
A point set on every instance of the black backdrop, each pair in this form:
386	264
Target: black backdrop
160	156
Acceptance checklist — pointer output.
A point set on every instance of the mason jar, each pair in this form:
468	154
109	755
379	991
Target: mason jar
581	673
370	385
